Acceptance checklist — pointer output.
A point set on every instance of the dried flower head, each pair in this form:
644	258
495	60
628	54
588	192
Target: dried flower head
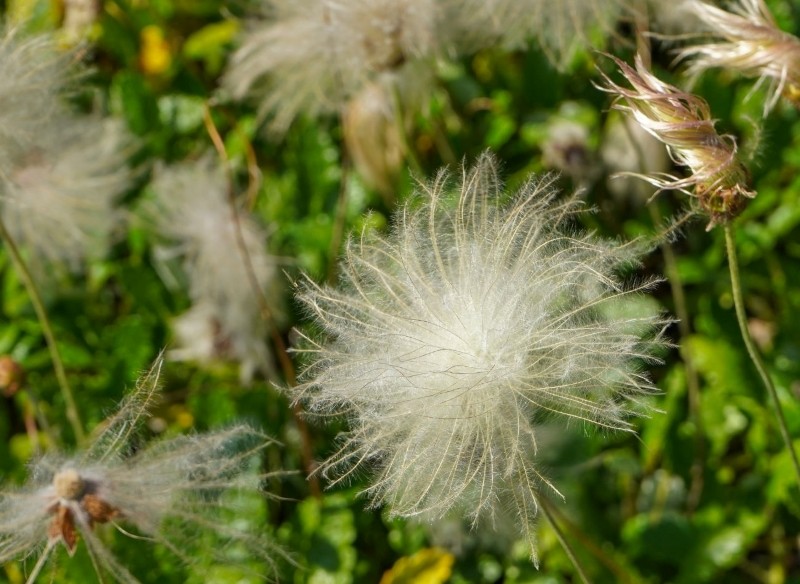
169	492
752	44
682	121
449	340
311	56
58	198
193	213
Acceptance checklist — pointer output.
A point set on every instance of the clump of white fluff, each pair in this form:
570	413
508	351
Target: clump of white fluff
60	173
311	56
449	340
58	200
224	257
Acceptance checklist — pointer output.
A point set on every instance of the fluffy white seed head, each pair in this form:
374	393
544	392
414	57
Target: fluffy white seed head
449	340
58	199
170	491
60	173
193	213
311	56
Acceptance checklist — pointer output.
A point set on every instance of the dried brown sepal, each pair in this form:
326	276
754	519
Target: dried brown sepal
98	510
62	528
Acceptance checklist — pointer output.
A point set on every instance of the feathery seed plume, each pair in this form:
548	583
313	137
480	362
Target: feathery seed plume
168	492
751	44
682	121
450	339
311	56
60	173
35	74
193	213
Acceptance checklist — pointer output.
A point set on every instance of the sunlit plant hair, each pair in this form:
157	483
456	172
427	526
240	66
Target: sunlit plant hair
750	43
178	492
311	56
223	254
451	339
682	121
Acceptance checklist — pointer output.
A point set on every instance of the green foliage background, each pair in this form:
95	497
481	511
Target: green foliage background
629	510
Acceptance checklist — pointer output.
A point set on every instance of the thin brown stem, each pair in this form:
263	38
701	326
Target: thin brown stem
47	331
337	234
755	357
266	314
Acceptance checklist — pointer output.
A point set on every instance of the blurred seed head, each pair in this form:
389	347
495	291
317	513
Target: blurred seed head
682	121
192	213
751	44
35	75
58	198
450	339
566	148
311	56
170	492
558	27
373	138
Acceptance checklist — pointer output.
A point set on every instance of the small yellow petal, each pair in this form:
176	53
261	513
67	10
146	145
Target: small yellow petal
427	566
155	56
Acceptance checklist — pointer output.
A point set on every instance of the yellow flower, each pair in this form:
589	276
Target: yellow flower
155	56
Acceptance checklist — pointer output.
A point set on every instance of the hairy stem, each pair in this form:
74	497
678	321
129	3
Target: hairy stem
738	301
47	331
549	513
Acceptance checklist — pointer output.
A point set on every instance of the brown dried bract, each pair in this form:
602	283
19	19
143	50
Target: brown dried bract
63	527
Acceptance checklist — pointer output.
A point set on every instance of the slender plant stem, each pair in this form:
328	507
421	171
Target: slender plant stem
621	573
307	451
549	513
692	378
736	285
402	133
337	234
50	339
